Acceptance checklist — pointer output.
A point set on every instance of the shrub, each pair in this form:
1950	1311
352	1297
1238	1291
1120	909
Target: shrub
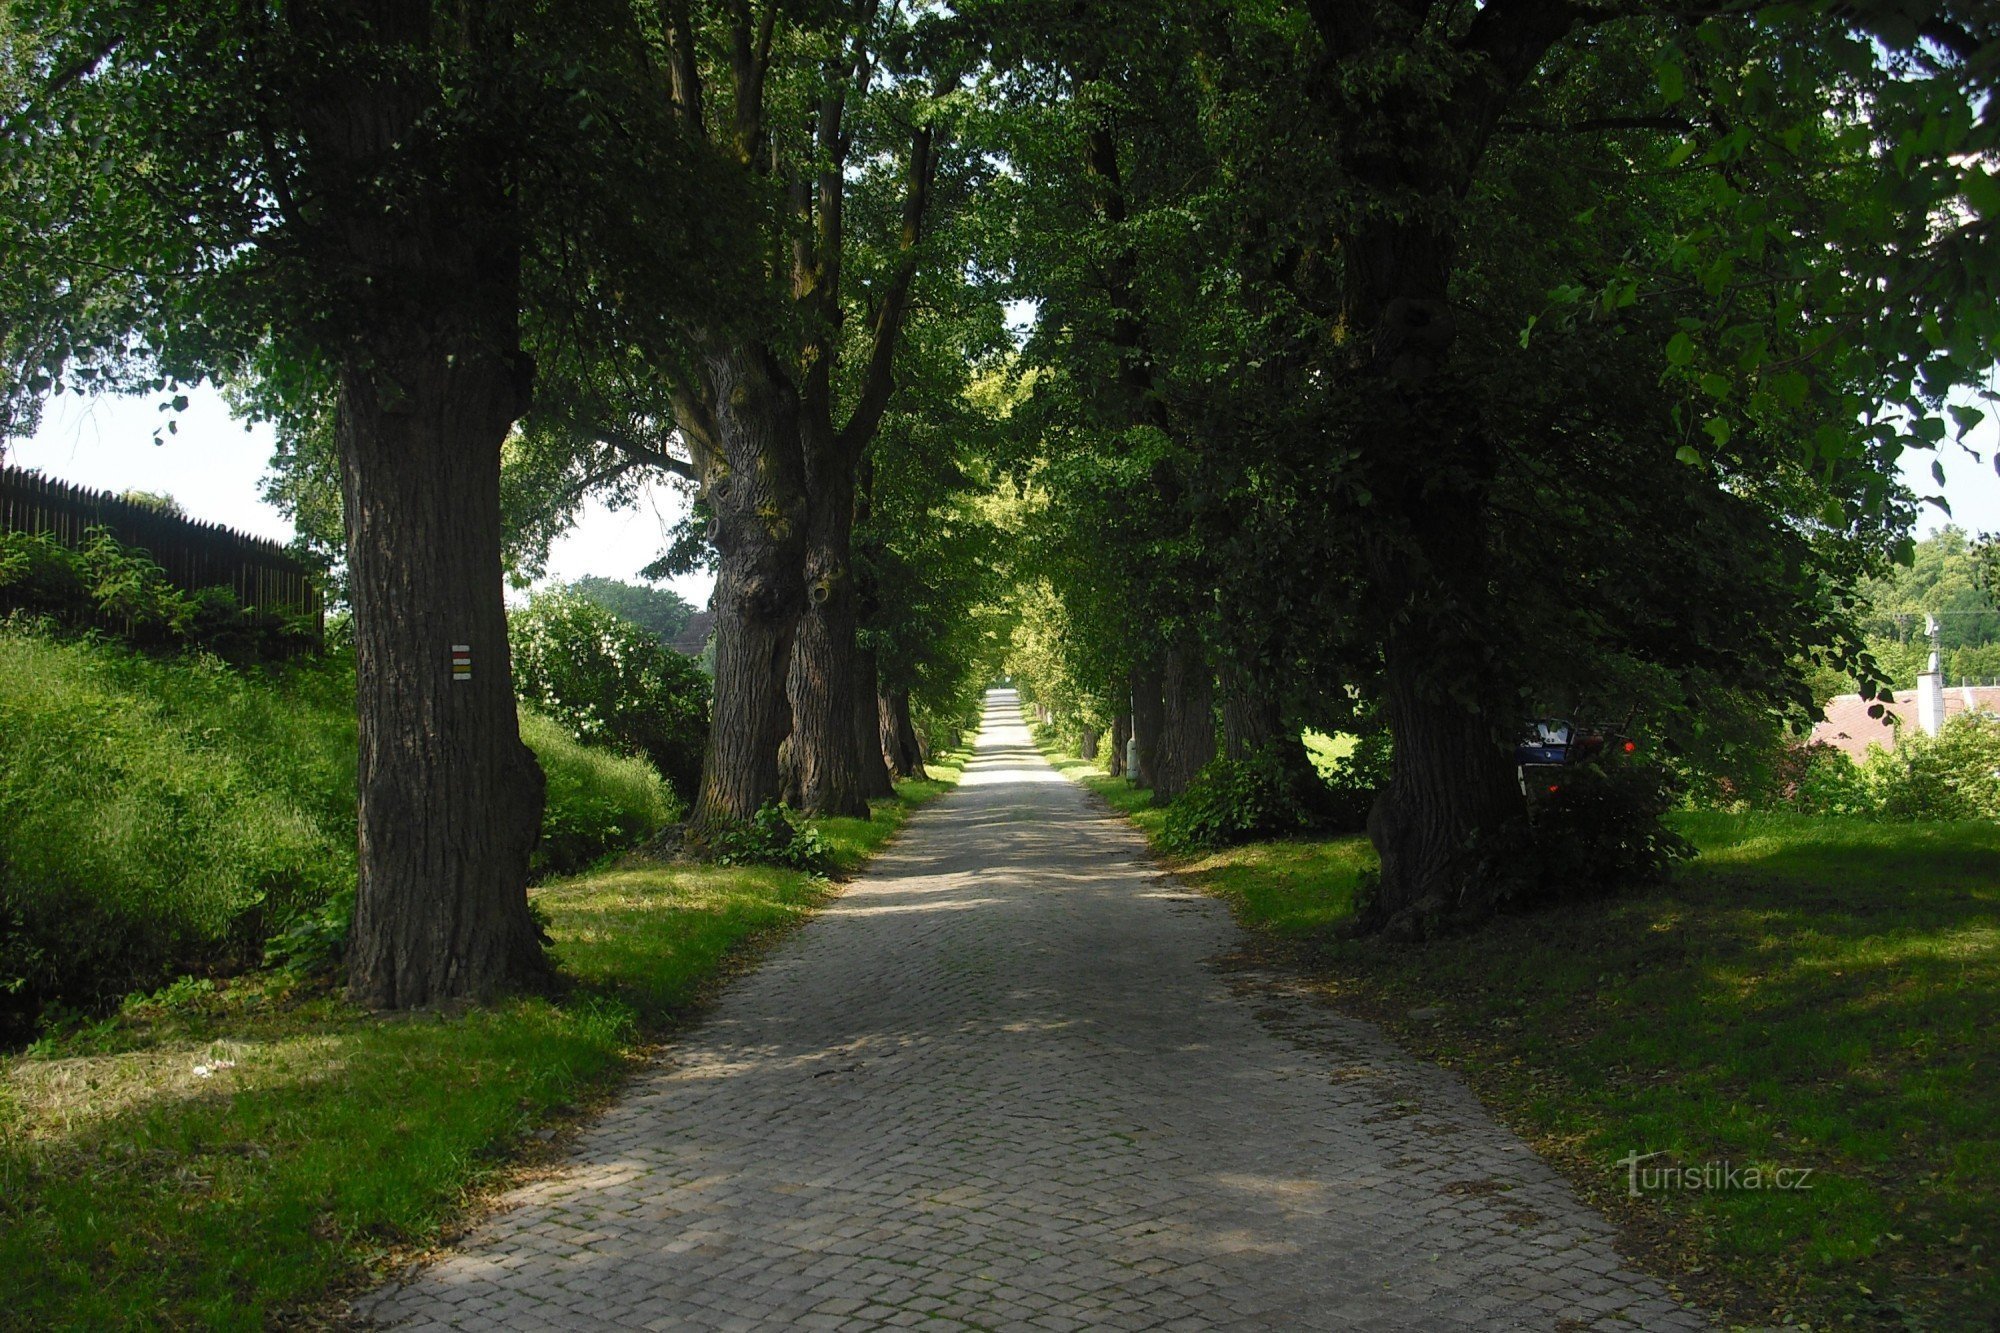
1953	775
157	816
121	590
610	682
1817	779
773	836
1598	833
1270	793
1354	779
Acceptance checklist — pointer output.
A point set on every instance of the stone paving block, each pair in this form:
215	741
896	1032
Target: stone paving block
1008	1081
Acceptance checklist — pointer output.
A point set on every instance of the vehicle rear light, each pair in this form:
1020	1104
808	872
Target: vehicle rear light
1554	787
1631	746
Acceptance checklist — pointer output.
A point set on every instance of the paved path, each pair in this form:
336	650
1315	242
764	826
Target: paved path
1008	1081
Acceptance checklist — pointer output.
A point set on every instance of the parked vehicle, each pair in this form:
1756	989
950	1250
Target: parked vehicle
1552	747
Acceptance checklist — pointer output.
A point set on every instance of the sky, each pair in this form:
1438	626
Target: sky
213	466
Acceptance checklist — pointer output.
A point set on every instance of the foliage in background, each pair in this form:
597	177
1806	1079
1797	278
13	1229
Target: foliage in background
1944	578
597	799
119	589
661	611
1953	775
166	815
612	682
931	556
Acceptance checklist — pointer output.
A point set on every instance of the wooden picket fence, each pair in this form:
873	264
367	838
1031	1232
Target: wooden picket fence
193	555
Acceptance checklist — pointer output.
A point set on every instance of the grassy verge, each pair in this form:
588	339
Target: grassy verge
1809	993
223	1157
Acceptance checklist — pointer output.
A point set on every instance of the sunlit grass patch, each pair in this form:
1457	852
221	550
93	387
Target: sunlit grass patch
225	1156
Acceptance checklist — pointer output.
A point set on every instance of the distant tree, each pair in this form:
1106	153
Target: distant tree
662	611
1946	578
157	501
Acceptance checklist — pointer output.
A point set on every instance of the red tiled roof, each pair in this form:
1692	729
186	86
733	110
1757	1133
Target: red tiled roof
693	638
1848	726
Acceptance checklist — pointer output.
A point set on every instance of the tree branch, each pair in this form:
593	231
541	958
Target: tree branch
1673	124
684	64
638	453
879	381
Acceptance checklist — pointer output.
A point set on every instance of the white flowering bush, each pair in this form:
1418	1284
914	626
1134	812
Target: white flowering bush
611	682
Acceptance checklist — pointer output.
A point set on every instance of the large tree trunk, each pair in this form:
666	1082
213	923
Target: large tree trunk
900	745
1187	720
756	490
1147	714
450	800
823	686
864	716
1453	787
1252	718
1121	732
1447	694
1086	743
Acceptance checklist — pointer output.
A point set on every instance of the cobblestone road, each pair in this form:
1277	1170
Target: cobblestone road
1010	1081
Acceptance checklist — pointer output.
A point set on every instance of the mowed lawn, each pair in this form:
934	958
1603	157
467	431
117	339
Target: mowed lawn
237	1155
1809	993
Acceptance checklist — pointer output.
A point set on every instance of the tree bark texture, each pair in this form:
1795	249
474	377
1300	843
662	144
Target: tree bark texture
1147	717
1086	745
1187	718
823	686
1121	731
1446	691
755	485
864	716
1251	718
1452	784
430	380
900	745
450	800
1419	142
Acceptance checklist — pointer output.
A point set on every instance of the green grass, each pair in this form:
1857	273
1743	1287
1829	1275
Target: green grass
135	1193
1808	993
160	815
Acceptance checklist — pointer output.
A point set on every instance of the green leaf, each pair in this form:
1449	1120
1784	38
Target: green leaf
1680	350
1673	81
1717	429
1982	190
1688	454
1716	386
